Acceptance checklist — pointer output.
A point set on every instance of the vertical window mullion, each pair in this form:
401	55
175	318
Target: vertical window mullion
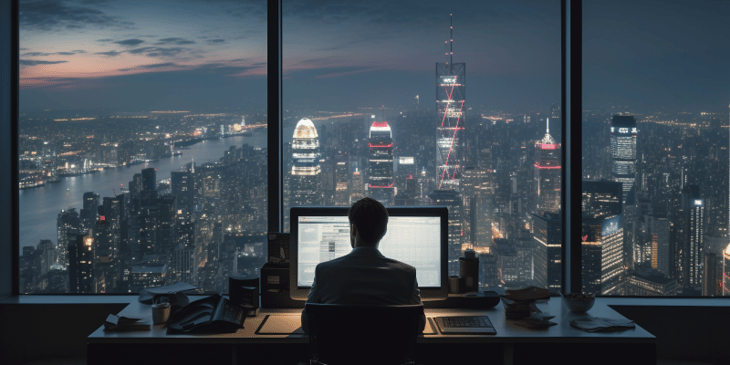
274	114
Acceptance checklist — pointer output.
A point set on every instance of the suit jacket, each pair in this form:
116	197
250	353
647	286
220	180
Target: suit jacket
364	277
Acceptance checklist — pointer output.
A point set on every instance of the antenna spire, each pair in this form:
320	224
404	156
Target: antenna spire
451	37
548	125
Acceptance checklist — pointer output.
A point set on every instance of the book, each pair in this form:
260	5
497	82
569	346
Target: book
120	324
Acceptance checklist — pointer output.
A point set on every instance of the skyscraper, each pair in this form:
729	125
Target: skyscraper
623	154
305	173
80	270
450	98
380	163
68	226
602	254
148	189
547	173
601	198
453	201
547	233
690	244
89	210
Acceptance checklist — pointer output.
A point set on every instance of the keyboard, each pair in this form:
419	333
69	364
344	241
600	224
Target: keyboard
465	325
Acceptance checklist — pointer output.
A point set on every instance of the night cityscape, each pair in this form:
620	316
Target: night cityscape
182	191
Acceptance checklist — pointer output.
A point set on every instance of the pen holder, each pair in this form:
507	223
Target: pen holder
160	313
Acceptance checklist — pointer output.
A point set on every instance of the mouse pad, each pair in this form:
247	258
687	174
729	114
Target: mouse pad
281	325
291	324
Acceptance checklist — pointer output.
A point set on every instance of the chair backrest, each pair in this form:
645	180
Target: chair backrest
351	334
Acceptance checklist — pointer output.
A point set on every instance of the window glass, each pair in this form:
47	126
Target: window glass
142	144
655	148
421	103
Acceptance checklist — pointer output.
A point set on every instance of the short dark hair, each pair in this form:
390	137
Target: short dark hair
370	218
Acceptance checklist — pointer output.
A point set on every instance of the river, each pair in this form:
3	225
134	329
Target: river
39	207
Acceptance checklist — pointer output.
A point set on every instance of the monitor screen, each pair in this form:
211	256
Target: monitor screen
415	236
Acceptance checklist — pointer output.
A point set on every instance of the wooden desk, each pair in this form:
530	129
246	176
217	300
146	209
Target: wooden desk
512	345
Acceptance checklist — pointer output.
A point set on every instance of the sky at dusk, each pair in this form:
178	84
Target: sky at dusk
657	54
142	55
184	54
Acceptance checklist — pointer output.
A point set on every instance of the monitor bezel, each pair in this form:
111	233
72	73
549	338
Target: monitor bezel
427	293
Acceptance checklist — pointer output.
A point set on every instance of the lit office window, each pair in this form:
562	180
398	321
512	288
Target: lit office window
655	148
142	144
420	104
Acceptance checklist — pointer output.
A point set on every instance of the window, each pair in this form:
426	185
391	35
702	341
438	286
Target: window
417	104
655	149
142	144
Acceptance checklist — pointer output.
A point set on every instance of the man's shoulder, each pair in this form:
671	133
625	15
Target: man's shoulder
400	265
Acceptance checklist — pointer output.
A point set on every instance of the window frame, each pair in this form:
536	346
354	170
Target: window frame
571	102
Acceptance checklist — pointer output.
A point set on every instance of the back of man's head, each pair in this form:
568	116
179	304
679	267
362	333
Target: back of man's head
370	218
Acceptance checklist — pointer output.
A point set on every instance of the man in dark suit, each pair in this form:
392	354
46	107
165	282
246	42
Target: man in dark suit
365	276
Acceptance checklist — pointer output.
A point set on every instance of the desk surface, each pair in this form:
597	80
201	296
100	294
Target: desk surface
506	332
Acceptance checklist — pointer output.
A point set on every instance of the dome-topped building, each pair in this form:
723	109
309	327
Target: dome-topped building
305	129
305	149
304	181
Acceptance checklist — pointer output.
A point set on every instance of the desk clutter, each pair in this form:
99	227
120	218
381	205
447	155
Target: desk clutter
521	310
597	324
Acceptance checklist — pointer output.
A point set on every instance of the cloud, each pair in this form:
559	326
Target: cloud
130	42
42	54
38	62
159	51
47	15
109	53
175	41
216	41
150	66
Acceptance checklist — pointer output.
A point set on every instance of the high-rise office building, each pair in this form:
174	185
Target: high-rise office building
89	210
80	268
547	173
659	238
380	163
601	198
623	154
712	283
649	282
148	188
602	255
305	172
547	234
690	244
453	201
68	226
182	187
342	178
450	98
726	272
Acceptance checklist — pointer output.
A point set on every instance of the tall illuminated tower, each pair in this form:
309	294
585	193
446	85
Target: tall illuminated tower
305	165
691	243
450	98
547	173
380	163
623	154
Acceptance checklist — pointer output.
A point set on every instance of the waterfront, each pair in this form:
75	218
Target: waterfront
39	207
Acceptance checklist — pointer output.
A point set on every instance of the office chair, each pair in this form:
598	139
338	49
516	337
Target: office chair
352	334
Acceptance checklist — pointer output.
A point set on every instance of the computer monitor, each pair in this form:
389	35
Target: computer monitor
416	236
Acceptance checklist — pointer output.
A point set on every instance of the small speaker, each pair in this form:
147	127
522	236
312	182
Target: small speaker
244	291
